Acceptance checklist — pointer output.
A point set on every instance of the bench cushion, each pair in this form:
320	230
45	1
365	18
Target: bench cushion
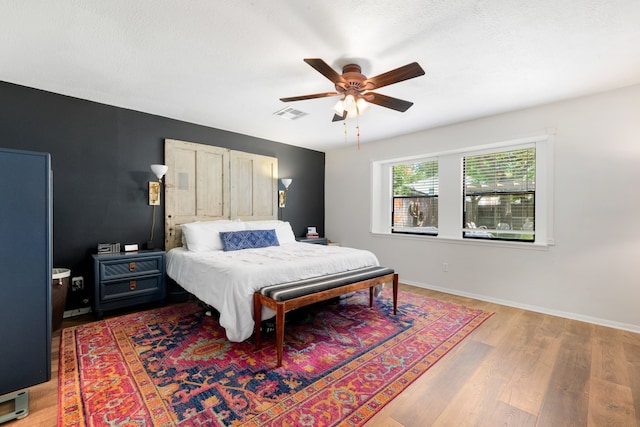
290	290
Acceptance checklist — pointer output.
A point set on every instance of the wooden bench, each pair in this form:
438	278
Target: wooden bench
288	296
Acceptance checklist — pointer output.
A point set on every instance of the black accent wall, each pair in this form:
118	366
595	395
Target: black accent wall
100	157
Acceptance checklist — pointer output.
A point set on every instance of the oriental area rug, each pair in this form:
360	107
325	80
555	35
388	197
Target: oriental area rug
173	366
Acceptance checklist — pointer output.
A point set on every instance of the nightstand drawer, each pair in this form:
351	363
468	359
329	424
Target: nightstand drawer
116	290
116	269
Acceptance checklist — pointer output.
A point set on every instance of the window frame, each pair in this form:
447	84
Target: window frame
494	233
428	231
450	208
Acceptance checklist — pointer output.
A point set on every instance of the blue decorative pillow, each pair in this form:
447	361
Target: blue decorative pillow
247	239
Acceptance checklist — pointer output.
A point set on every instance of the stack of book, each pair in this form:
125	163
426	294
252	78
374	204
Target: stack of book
312	233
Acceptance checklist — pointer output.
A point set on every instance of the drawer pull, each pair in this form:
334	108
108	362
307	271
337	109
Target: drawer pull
132	266
132	285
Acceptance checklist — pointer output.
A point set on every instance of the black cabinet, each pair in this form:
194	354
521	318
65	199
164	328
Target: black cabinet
26	267
125	279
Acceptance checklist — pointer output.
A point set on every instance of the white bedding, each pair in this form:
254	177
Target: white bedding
228	280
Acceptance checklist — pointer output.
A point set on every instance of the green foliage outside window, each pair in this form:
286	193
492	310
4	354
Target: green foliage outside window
413	179
415	197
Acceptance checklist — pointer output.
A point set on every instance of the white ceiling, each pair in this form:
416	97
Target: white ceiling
225	64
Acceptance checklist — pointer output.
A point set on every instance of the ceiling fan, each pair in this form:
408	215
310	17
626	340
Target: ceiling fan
356	88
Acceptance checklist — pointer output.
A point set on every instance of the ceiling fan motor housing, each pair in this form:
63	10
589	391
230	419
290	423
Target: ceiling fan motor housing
352	74
354	81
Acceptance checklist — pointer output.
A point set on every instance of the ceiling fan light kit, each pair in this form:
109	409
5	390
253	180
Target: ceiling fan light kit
351	106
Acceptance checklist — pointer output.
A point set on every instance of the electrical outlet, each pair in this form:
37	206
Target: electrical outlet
445	266
77	283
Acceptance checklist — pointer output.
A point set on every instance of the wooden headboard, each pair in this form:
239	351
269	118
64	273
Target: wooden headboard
206	183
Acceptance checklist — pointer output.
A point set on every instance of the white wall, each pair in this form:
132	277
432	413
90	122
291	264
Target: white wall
591	273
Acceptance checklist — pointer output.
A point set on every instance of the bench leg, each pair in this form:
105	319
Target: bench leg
395	293
371	296
279	332
257	317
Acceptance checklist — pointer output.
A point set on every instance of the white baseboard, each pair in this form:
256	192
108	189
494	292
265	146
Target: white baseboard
543	310
76	312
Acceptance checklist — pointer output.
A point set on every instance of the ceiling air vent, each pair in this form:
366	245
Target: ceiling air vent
290	113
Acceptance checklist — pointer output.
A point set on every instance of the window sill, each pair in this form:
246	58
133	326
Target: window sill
467	242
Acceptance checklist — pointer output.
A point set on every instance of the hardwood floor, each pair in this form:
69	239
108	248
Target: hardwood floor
519	368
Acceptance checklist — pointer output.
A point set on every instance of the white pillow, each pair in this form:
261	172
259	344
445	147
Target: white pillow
267	224
285	233
283	229
203	236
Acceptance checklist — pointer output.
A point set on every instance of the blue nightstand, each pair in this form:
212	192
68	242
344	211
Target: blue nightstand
315	240
128	278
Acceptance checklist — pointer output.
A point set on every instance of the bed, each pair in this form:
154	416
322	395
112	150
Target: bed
228	279
213	191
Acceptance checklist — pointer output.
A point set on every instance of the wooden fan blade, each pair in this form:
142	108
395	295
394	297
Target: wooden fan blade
406	72
312	96
389	102
337	118
324	69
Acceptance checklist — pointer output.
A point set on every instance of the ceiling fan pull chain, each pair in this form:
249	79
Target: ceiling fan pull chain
345	131
358	125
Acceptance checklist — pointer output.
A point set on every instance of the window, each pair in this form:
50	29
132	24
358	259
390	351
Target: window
415	197
499	195
496	193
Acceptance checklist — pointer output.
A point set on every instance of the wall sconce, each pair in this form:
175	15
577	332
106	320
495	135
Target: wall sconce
154	197
282	194
154	187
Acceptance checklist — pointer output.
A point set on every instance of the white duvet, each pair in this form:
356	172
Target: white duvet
228	280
